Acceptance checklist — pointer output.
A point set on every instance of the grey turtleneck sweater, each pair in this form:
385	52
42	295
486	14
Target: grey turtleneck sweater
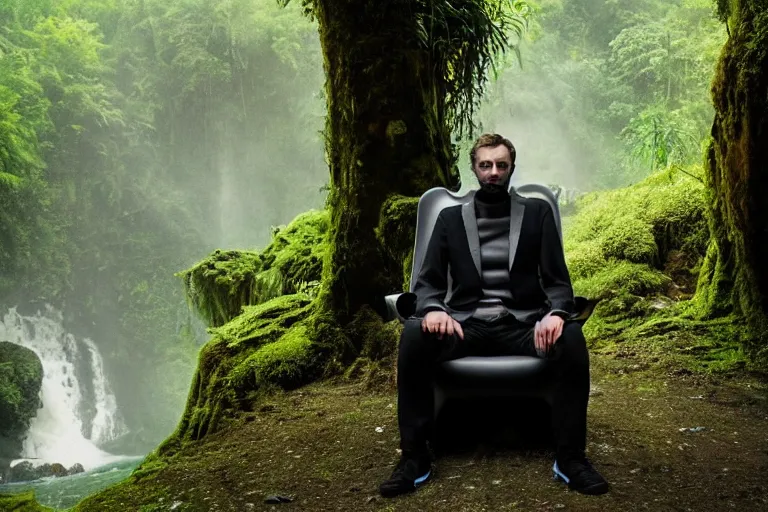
492	211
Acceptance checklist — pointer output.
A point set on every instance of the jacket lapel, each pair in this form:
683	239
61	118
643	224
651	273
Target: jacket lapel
470	227
516	211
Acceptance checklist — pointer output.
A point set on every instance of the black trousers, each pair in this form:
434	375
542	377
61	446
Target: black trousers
420	353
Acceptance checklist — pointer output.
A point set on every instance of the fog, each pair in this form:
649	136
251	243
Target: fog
174	129
171	130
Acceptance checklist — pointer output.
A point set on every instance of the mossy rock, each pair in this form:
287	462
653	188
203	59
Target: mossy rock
268	345
621	276
288	362
297	251
21	376
24	502
219	286
621	239
631	239
637	249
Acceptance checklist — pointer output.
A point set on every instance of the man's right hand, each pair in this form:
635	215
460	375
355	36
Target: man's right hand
441	323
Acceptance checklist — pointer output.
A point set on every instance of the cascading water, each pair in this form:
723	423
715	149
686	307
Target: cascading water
79	411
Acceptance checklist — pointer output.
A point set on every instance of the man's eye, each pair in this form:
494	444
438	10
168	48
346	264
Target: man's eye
502	165
486	165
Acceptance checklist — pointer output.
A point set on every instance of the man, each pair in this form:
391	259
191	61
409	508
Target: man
511	294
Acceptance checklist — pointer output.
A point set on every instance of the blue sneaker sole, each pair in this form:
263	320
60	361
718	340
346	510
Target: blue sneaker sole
558	475
422	479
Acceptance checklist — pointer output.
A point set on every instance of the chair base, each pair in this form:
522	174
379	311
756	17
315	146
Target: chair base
492	424
495	392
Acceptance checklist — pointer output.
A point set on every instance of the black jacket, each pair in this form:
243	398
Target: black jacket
449	278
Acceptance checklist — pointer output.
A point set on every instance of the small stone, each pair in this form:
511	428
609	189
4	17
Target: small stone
379	429
370	499
276	499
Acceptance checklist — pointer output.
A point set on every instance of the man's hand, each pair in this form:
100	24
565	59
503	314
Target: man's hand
546	332
441	323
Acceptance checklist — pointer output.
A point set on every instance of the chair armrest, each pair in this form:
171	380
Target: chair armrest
400	306
584	308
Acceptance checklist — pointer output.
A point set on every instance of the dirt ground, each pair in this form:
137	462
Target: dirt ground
327	447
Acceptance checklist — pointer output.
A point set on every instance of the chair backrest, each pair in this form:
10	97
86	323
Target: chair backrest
434	200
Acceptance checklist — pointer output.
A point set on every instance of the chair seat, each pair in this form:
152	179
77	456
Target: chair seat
501	372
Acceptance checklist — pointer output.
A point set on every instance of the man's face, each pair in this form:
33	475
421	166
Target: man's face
493	166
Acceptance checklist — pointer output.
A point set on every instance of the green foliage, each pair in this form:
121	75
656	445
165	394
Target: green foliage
658	138
135	137
21	375
464	38
622	277
264	323
608	91
631	239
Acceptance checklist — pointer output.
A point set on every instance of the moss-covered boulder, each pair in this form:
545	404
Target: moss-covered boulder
640	250
24	502
219	286
21	375
268	345
630	246
297	251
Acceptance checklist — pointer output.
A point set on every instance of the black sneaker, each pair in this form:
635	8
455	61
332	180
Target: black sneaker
410	472
580	476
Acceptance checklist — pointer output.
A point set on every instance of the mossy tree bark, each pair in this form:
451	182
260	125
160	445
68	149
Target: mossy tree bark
386	135
401	75
734	276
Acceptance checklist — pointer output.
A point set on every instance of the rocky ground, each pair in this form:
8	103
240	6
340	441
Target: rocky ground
665	441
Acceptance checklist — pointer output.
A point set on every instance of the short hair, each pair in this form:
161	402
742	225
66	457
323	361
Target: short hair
491	140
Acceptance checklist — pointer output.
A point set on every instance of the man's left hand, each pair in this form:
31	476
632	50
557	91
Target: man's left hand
546	332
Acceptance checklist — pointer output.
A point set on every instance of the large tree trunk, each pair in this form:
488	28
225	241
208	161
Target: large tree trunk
397	80
734	277
385	133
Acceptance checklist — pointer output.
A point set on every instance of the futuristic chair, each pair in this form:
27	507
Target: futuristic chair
467	377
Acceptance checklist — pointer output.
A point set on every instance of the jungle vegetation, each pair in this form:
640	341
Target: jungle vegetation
138	136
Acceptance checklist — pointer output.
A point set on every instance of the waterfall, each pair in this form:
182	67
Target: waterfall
79	410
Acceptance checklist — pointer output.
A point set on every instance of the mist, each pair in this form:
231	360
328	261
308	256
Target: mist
170	130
